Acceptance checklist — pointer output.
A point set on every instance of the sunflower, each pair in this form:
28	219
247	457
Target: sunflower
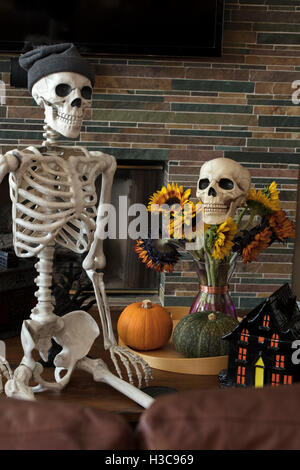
264	202
260	242
282	226
157	254
172	196
272	192
223	239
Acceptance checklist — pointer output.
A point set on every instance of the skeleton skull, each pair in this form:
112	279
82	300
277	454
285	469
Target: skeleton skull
64	96
222	187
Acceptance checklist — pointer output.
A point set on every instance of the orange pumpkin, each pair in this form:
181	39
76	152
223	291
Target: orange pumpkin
145	326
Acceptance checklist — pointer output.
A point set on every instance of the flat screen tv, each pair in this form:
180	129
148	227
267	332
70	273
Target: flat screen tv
132	27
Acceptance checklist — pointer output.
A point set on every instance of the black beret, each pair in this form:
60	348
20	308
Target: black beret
45	60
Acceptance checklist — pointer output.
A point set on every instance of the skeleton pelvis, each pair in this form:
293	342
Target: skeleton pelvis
76	337
75	332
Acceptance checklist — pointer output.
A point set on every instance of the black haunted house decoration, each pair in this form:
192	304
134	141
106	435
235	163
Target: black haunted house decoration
262	348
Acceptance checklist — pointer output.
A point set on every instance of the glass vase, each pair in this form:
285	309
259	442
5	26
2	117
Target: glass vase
214	277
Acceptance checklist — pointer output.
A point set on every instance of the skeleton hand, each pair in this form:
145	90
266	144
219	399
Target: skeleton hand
130	359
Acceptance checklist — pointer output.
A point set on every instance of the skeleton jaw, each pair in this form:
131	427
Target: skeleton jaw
215	213
69	119
68	125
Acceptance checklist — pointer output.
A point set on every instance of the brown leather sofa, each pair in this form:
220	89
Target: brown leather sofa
224	419
50	425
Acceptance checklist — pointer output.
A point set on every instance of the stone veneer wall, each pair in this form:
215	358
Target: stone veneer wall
187	111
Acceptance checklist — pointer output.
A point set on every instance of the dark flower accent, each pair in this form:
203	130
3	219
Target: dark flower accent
245	237
241	241
157	254
262	240
275	227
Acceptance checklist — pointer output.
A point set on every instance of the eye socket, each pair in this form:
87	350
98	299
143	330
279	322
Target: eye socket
63	89
203	183
226	183
86	92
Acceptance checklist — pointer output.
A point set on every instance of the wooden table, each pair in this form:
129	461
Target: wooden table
83	390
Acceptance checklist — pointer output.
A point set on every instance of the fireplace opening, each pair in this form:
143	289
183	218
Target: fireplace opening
124	272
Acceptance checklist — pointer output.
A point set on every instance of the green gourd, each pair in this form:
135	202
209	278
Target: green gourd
200	334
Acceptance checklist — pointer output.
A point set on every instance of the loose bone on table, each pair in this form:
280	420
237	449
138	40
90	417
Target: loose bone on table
54	201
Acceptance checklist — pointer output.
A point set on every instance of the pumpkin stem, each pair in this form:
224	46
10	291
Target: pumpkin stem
211	317
147	303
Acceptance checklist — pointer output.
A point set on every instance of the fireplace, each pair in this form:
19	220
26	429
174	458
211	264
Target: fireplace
134	182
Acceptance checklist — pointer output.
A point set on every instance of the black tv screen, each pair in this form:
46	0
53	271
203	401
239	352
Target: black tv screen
132	27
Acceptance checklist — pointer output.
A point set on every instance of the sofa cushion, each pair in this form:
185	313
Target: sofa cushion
53	425
224	419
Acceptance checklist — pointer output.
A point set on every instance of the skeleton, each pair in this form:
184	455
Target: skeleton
222	187
5	371
54	201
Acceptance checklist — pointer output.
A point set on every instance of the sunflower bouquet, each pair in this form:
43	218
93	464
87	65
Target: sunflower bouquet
178	225
214	248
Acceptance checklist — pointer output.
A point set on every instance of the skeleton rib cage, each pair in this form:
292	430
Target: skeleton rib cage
54	199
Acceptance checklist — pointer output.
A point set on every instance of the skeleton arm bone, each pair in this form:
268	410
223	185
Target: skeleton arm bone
95	260
8	162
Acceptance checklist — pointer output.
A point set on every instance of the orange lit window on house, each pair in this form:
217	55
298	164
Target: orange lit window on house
242	354
241	375
274	340
279	361
244	335
287	379
275	380
261	339
266	321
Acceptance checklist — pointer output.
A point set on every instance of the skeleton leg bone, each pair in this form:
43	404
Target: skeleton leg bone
18	387
100	373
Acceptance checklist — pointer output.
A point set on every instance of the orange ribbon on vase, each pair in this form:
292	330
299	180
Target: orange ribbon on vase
214	289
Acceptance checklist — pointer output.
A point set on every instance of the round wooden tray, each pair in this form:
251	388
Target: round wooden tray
168	359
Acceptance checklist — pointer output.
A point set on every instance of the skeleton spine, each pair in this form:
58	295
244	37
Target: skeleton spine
44	308
50	135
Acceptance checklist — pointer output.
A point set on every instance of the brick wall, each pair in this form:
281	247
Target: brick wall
187	111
